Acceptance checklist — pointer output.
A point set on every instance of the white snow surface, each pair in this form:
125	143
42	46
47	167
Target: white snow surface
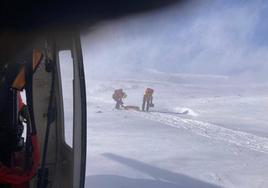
185	111
195	136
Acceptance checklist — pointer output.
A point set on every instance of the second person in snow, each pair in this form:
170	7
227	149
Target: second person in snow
147	99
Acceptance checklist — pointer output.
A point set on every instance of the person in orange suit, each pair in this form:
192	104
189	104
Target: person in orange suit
147	99
118	96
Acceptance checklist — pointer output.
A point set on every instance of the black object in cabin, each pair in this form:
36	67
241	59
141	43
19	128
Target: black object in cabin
11	128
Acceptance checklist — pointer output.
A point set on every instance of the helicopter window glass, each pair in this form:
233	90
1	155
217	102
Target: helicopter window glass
66	66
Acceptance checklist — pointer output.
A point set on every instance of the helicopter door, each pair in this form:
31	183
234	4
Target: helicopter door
71	111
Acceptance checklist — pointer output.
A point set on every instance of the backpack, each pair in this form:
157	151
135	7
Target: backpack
149	91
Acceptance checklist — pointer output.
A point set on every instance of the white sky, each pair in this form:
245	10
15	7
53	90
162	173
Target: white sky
207	37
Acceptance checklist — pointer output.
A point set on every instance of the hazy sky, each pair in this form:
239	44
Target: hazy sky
201	37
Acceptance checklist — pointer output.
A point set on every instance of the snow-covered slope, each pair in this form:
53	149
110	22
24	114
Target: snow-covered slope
207	62
196	136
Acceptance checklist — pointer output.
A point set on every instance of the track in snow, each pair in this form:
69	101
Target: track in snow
210	130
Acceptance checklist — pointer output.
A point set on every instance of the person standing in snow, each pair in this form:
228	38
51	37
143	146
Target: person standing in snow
147	99
118	97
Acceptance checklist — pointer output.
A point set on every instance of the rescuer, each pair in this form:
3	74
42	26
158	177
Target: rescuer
118	96
147	99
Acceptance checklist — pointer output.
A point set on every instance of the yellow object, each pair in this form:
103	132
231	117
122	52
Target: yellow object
19	81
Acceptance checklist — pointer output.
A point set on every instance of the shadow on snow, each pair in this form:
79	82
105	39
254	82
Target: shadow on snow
161	178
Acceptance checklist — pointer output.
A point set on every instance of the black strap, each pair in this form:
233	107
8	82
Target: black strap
29	94
31	127
50	119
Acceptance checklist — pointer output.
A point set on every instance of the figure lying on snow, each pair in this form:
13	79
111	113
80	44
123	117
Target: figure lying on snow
118	97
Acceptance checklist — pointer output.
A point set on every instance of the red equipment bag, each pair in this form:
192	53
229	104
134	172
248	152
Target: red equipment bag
15	175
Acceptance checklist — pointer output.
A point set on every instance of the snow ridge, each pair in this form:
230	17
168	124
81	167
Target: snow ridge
209	130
